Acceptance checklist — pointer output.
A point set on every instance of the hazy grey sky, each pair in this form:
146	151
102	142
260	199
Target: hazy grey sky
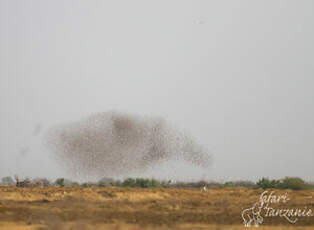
239	75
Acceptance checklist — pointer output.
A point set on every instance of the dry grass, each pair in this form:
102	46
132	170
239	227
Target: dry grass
136	208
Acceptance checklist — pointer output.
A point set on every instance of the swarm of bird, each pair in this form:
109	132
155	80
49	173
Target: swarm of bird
115	144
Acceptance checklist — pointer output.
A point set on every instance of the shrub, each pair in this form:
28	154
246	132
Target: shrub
165	184
26	183
155	183
141	183
294	183
311	185
75	184
60	182
7	181
145	183
214	185
90	184
129	182
85	185
41	182
267	183
117	183
235	184
106	182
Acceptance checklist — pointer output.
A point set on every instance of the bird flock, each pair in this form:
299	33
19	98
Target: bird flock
116	144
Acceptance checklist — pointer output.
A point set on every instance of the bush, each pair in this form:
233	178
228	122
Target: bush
294	183
117	183
155	183
141	183
41	182
266	183
311	185
214	185
89	184
236	184
7	181
106	182
75	184
60	182
166	184
129	182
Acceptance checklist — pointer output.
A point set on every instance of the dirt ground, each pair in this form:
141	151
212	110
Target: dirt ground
135	208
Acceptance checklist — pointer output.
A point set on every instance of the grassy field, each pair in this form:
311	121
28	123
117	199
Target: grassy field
138	208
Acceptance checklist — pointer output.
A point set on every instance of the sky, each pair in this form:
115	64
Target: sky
238	75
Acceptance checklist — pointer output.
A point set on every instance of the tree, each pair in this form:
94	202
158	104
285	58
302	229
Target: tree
60	182
294	183
41	182
266	183
106	182
7	181
129	182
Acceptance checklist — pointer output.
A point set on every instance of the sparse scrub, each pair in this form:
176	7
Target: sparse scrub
294	183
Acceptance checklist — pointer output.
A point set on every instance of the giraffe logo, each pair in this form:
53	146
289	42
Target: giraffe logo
253	215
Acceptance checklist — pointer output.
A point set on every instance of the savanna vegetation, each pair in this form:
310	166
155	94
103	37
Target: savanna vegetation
294	183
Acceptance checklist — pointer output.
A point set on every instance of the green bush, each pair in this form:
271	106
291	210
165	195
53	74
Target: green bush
141	183
267	183
294	183
60	182
129	182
